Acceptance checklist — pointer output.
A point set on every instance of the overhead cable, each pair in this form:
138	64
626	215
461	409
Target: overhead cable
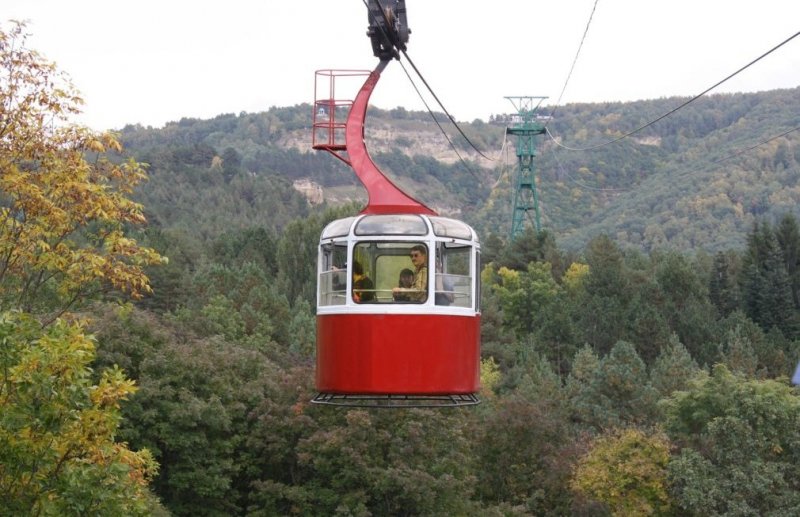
742	151
402	48
574	61
504	167
452	120
449	141
665	115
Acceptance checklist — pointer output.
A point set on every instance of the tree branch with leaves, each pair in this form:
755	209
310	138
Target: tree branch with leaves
64	193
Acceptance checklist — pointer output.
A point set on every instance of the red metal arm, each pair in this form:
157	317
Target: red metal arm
384	196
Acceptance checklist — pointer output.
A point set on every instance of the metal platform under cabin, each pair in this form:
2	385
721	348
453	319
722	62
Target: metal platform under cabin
396	401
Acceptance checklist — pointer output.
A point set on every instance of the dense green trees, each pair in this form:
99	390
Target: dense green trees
667	186
738	440
384	463
670	315
525	445
225	378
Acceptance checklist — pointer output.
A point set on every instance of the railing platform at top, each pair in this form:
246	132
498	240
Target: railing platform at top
329	119
338	127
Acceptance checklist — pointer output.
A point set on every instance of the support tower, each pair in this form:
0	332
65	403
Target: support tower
526	126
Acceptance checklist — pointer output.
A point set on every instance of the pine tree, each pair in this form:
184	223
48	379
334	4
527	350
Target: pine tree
788	234
779	310
765	282
615	393
723	291
673	368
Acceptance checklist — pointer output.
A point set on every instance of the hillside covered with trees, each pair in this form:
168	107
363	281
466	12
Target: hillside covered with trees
696	180
157	328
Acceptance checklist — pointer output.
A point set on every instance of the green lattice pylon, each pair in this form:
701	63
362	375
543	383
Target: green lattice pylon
526	126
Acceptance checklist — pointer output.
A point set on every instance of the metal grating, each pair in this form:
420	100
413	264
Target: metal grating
396	401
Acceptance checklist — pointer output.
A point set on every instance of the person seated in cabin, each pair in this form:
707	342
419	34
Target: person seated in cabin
363	288
405	281
339	278
418	292
444	287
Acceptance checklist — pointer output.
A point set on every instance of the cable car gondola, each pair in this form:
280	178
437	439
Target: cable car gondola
381	344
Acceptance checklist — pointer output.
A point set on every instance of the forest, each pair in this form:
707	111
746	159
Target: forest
157	327
696	180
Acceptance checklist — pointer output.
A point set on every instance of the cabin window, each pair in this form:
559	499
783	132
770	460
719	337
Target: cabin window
444	227
383	264
338	228
404	224
478	271
332	283
453	279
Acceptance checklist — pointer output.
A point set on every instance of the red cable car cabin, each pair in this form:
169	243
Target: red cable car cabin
378	342
415	344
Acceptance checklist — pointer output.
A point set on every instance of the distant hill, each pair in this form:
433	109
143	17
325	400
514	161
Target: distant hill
697	179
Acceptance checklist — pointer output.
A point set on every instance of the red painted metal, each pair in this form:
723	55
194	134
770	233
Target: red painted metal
384	196
406	354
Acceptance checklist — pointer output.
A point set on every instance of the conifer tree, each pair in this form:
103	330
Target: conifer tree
766	287
673	368
788	235
723	292
607	295
614	393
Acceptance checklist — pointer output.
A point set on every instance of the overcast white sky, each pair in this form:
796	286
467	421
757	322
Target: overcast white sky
151	62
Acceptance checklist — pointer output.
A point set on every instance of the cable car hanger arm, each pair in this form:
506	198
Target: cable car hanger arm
387	31
384	196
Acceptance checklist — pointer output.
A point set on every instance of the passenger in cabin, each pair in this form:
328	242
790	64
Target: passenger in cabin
339	278
418	292
363	288
444	287
405	281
